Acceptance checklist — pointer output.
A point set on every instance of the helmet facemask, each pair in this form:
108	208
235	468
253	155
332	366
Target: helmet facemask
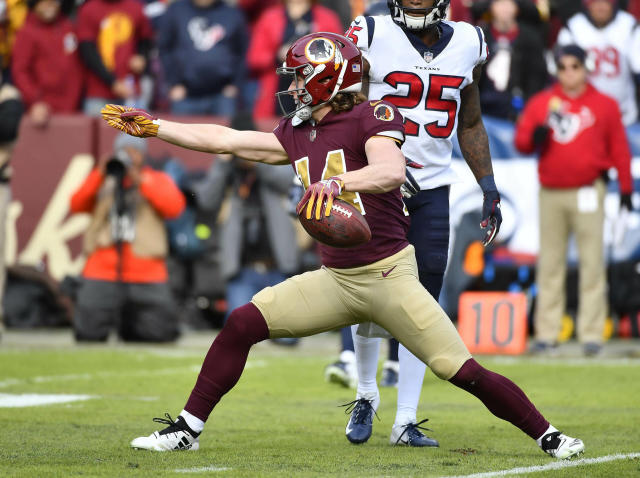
300	75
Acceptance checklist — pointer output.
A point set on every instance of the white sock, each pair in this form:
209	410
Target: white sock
410	380
194	423
551	429
367	349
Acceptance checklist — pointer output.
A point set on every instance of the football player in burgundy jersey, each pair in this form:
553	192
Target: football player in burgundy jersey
341	146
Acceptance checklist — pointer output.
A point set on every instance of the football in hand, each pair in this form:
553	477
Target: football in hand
344	227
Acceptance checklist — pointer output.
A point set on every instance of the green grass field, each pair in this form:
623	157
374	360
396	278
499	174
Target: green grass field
283	420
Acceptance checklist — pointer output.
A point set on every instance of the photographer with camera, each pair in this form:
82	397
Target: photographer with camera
125	279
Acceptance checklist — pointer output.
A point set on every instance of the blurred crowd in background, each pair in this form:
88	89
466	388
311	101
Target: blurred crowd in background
229	231
218	57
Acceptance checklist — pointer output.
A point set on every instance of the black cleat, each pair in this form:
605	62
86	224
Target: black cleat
411	435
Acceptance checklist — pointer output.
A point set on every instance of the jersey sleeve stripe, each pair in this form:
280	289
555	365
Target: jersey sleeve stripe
395	135
371	26
480	39
400	143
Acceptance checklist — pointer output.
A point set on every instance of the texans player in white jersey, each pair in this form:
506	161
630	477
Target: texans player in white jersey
612	39
429	69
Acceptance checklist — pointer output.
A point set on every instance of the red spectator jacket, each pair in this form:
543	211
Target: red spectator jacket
46	66
588	137
163	195
115	27
265	42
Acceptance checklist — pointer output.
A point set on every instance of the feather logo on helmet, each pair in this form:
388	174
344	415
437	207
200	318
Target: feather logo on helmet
320	50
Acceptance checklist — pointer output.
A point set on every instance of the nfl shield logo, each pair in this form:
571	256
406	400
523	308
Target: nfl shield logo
312	135
428	56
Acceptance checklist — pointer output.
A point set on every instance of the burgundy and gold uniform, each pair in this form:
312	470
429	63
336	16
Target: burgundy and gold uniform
375	282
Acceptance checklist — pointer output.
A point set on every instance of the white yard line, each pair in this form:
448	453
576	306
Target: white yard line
92	376
202	469
556	465
10	400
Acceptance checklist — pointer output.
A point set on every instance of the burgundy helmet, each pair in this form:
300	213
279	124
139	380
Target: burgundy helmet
321	65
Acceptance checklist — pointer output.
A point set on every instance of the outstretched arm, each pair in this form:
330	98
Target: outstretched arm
208	138
217	139
474	144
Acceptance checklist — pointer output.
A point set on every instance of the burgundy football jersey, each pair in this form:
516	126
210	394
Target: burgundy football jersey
336	145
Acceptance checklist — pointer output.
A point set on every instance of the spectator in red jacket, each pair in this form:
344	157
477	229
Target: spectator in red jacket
125	279
578	133
273	34
46	67
115	41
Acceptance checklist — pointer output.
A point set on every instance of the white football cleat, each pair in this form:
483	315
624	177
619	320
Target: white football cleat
177	436
561	446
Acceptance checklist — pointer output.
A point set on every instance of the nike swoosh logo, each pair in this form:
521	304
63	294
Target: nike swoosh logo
385	274
357	22
349	430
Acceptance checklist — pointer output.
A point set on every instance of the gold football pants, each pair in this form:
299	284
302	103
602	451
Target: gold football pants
386	292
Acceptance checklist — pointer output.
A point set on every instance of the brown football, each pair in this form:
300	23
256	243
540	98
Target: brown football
344	227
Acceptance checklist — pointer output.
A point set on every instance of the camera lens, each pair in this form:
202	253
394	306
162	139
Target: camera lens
115	167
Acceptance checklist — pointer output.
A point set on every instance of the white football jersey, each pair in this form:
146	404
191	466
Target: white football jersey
615	51
424	83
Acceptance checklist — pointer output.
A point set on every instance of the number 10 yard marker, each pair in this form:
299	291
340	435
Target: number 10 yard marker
493	322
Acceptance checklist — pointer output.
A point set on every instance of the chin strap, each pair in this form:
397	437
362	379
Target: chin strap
336	90
304	114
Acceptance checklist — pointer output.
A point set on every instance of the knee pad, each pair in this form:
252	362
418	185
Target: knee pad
443	368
